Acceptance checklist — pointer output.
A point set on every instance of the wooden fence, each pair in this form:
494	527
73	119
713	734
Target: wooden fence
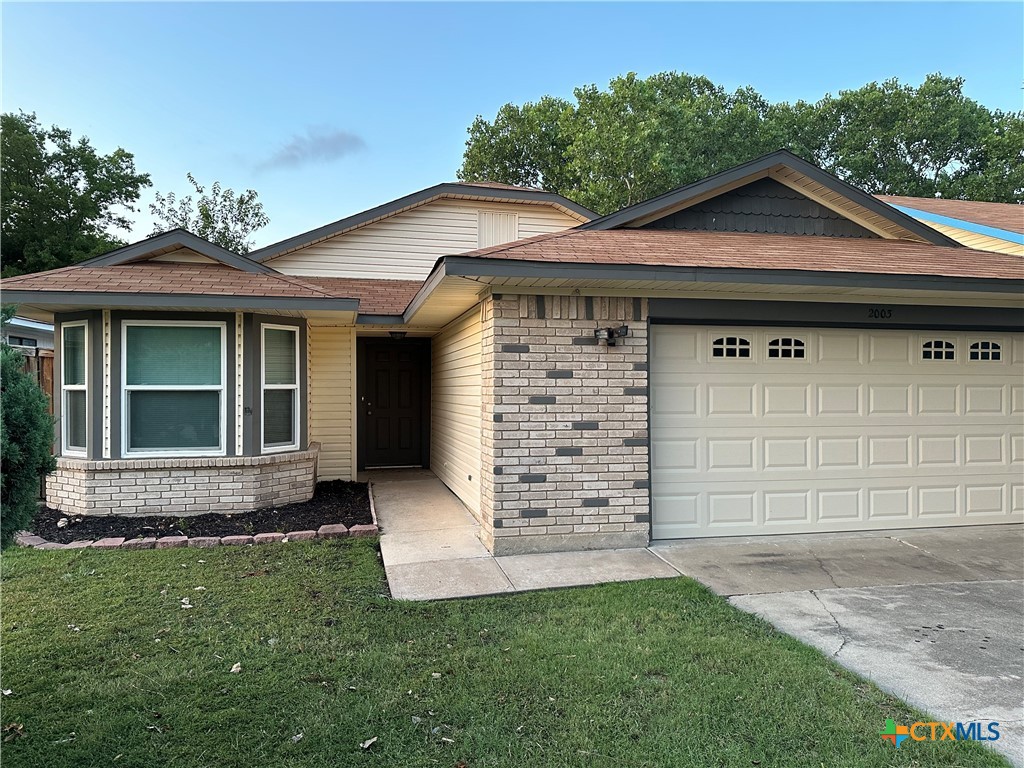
38	363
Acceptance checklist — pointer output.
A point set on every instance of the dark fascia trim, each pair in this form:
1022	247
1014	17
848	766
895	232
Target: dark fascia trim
765	163
460	266
447	189
177	238
380	320
437	274
839	314
164	300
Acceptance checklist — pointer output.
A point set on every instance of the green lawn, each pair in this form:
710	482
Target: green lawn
658	673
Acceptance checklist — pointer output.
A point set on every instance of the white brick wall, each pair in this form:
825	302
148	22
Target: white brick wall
181	486
565	437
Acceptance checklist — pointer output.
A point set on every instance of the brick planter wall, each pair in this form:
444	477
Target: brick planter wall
181	486
565	434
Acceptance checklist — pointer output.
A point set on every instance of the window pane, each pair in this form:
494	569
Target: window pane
74	418
173	354
185	420
278	416
279	356
73	360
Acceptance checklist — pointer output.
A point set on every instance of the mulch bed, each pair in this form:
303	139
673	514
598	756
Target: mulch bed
334	501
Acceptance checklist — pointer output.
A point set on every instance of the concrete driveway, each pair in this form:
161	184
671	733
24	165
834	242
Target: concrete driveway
935	617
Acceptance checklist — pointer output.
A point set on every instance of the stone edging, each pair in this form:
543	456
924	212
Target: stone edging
338	531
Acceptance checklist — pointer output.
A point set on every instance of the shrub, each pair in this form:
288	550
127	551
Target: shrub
26	436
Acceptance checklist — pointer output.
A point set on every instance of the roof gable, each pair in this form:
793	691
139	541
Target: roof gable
765	206
476	191
175	241
791	171
995	219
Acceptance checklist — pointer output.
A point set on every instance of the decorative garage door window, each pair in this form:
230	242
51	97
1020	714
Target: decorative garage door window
730	346
786	347
280	388
986	350
173	388
938	350
74	361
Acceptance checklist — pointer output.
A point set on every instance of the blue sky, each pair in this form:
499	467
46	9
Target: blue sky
248	94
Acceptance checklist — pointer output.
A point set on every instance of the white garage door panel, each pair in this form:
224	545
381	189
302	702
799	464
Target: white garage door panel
861	433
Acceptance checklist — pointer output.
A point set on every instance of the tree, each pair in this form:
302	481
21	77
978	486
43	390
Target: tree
26	436
222	217
895	139
60	201
642	137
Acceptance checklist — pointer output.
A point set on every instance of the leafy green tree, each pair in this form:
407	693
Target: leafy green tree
525	146
60	200
895	139
220	216
26	436
642	137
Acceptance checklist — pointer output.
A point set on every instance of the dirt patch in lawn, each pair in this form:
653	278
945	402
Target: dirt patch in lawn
334	501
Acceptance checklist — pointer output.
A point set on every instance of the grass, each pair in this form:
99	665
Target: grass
107	668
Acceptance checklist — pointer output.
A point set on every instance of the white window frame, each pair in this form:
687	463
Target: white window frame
221	450
800	344
67	450
932	341
999	341
744	342
278	447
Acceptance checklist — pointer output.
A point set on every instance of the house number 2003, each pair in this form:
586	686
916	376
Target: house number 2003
879	313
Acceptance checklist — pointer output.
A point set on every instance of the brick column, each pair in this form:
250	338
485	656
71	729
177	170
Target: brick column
565	435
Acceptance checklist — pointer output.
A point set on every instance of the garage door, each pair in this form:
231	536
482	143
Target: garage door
776	430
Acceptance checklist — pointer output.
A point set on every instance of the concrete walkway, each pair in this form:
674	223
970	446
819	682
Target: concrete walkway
431	549
935	617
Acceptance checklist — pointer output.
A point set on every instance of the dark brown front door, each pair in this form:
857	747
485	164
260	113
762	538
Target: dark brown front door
393	397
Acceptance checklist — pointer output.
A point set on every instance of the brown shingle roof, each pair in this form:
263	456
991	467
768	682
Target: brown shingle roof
1009	216
376	297
673	248
498	185
166	278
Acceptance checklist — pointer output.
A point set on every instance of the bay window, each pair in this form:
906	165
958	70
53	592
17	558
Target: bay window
279	388
74	357
173	388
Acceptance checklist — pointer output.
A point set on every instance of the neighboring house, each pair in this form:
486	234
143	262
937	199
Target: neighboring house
28	334
995	227
766	351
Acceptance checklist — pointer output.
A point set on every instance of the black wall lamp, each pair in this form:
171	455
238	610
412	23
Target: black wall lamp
611	334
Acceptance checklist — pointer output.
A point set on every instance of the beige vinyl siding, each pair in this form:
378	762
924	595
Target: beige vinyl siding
455	408
976	240
407	245
331	399
184	256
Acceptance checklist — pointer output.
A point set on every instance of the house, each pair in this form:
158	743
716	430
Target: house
770	350
995	227
29	335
